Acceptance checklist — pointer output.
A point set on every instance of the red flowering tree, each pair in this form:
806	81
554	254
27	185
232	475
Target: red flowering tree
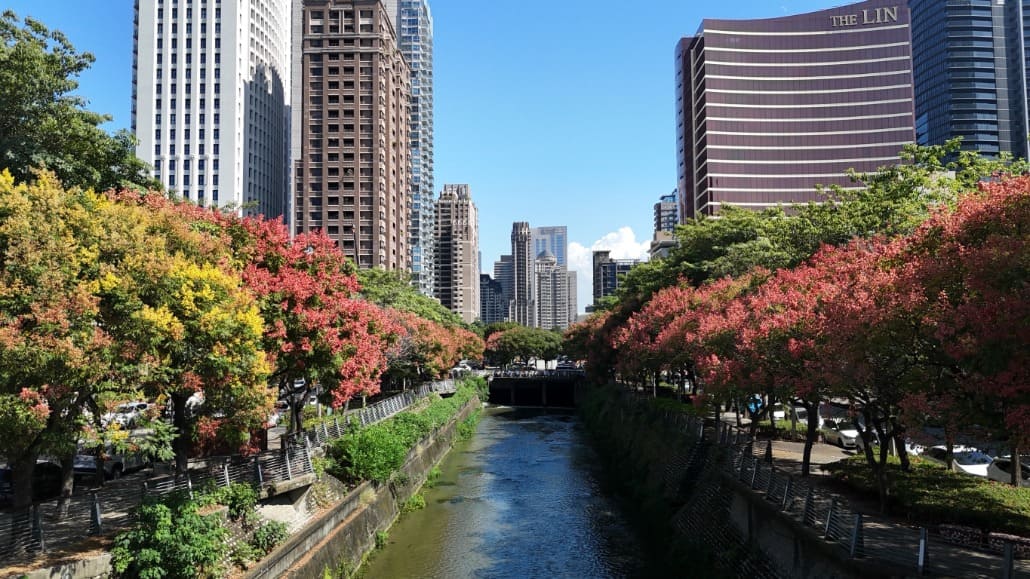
973	265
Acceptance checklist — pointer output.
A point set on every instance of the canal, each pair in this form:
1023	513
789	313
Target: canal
522	498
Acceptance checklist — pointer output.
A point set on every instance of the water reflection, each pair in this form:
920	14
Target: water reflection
522	499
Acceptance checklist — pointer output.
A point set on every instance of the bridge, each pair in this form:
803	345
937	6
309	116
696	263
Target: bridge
547	388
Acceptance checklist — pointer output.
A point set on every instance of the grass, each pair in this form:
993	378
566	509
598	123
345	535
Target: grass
931	494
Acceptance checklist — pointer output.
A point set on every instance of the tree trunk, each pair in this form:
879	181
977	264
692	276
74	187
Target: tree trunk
1017	467
949	448
811	434
67	485
181	444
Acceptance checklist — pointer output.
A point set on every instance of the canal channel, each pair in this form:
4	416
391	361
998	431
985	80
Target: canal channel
523	498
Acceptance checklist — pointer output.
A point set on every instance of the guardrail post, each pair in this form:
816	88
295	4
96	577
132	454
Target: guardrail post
829	519
768	451
808	519
225	472
1008	561
788	494
257	470
189	485
307	452
37	529
923	560
755	465
772	482
289	469
743	460
325	431
95	524
857	538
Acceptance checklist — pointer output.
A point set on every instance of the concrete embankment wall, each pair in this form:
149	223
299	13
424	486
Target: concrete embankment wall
340	538
693	514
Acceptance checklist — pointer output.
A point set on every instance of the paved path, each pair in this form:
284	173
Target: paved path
893	541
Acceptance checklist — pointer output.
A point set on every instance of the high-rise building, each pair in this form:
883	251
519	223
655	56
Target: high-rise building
551	282
492	305
666	216
607	272
504	274
522	269
211	98
573	289
768	109
351	154
554	239
457	251
414	25
970	68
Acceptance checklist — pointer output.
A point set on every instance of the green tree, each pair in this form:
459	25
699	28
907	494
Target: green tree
43	125
392	289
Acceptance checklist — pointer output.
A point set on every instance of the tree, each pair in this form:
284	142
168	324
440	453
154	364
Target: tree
972	266
524	344
42	125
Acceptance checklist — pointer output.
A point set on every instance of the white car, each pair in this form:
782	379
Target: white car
841	432
1001	470
967	460
126	415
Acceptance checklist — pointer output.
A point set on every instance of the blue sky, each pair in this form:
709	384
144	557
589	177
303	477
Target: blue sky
555	113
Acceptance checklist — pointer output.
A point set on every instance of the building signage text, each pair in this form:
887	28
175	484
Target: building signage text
874	16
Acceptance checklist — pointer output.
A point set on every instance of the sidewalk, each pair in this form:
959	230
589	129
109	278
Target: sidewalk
892	540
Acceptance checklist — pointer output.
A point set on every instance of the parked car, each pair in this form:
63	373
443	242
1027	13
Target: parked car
966	459
841	432
126	415
1000	470
115	464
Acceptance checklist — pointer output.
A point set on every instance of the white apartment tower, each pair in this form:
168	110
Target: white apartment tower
457	252
413	23
211	98
552	292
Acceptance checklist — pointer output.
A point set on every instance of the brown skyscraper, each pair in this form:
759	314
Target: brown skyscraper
350	136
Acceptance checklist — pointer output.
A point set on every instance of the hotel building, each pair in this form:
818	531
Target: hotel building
457	251
768	109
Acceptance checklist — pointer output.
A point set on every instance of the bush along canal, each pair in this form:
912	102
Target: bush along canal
524	497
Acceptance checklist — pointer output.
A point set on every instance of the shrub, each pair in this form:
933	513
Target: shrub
416	502
381	539
269	536
241	499
432	478
172	539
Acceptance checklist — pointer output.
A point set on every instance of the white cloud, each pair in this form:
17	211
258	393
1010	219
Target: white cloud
622	243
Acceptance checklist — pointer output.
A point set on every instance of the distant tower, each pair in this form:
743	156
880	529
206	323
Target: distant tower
211	100
553	239
457	251
414	25
522	266
504	274
492	306
552	292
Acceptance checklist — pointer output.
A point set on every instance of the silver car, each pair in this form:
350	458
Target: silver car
841	432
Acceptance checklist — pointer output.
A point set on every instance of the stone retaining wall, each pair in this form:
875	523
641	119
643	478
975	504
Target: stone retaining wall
340	538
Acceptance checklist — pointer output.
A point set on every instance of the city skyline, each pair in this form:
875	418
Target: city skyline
491	109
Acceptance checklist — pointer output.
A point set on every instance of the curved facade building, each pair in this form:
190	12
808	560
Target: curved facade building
969	64
769	109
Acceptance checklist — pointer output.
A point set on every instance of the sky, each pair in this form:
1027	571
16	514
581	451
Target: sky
555	113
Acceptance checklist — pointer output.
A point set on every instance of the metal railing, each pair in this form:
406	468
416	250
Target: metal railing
860	535
43	528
